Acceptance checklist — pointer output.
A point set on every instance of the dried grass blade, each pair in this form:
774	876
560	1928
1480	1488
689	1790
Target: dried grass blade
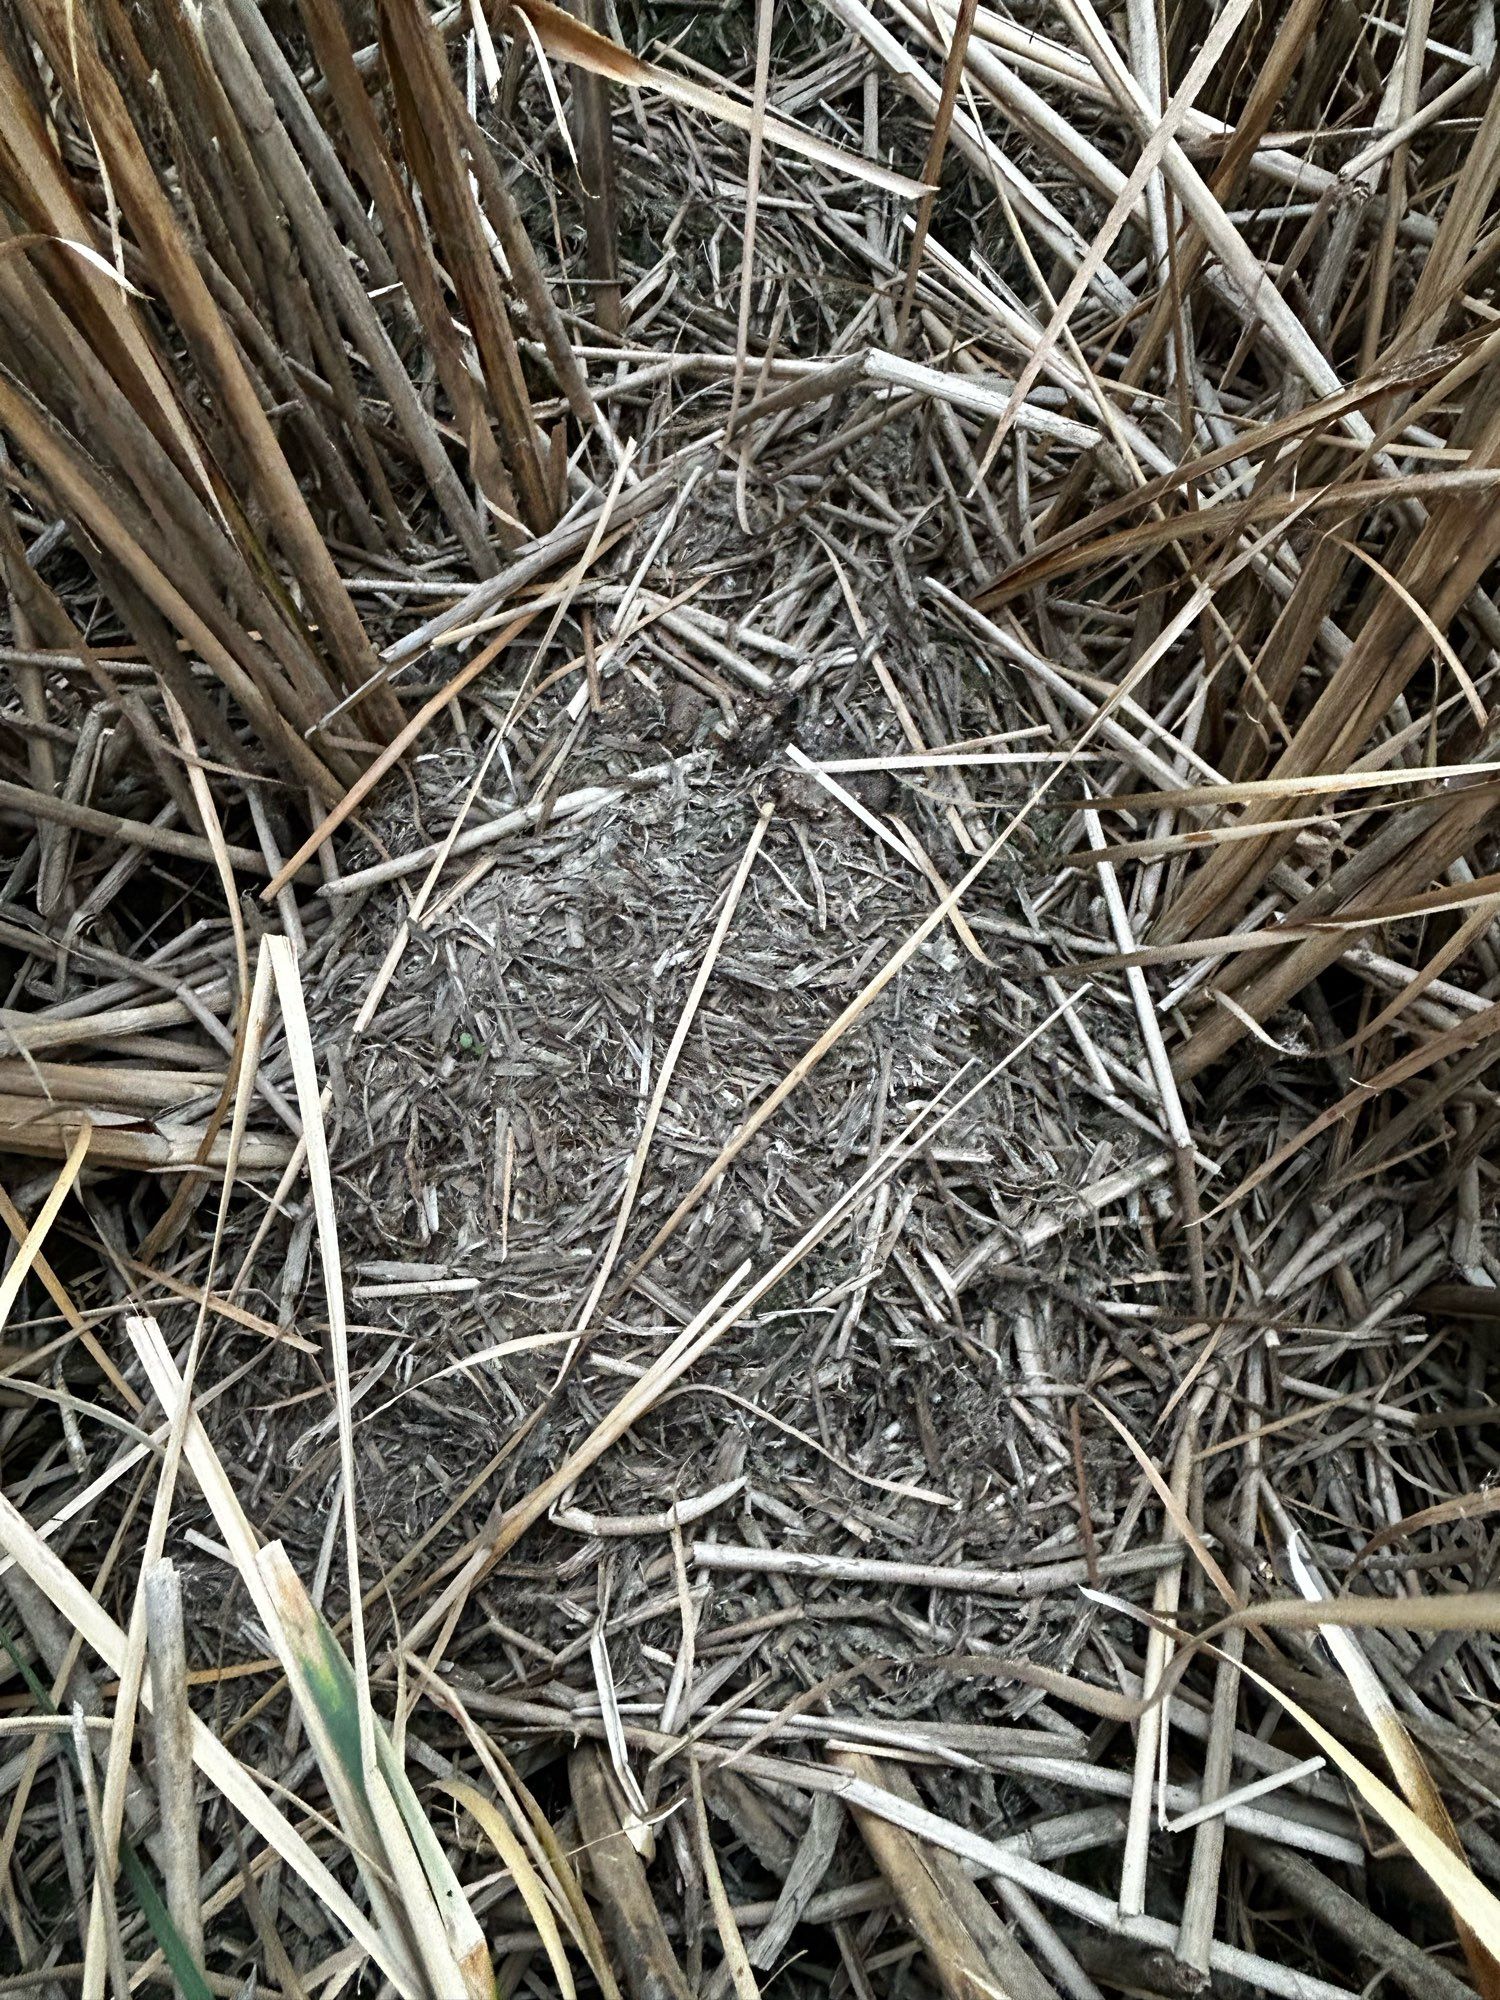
1405	1760
99	1631
419	1921
570	41
1476	1910
527	1881
36	1235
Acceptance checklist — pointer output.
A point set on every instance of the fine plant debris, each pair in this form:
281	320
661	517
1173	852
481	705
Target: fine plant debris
750	929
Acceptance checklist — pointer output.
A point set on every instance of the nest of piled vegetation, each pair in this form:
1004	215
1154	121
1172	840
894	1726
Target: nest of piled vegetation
747	782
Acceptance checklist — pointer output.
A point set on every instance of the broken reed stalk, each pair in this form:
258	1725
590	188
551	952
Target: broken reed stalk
171	1737
593	135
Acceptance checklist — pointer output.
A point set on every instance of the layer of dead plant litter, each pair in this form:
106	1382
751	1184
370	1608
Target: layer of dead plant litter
748	794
